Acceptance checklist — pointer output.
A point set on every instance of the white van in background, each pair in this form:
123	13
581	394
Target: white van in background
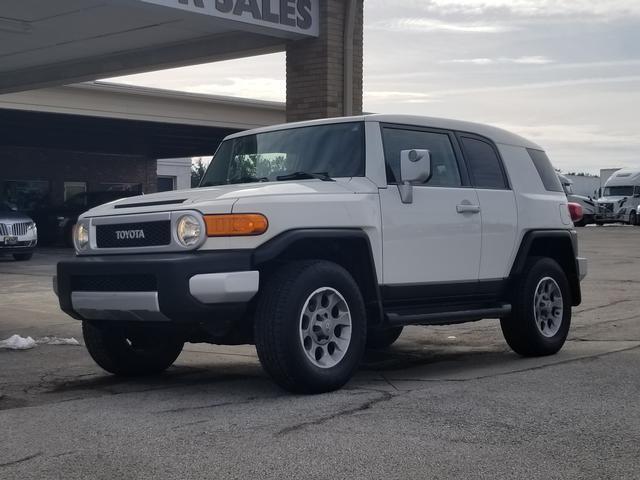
587	203
620	198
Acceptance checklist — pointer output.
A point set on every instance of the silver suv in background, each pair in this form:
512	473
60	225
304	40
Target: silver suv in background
587	203
18	233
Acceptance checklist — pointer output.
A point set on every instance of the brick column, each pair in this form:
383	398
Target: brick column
315	67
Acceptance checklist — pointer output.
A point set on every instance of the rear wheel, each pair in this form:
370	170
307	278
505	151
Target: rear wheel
129	352
541	315
310	326
22	257
383	338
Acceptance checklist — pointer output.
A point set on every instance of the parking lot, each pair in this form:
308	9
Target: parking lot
446	402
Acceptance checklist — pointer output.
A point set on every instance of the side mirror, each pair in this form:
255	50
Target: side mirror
415	167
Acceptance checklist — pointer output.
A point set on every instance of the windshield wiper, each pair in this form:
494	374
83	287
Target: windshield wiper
324	176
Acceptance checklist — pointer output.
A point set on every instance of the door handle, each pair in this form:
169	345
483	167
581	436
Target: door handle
468	208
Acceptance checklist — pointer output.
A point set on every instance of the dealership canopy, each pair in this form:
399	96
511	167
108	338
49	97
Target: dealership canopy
46	42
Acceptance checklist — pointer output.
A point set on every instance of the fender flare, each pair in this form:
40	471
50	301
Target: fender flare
278	246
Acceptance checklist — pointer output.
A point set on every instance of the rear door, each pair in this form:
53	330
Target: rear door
497	205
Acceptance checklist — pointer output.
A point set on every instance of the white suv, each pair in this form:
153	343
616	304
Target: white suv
317	240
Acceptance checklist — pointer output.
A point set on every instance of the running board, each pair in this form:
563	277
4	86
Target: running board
448	318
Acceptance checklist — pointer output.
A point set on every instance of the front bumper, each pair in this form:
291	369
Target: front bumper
182	288
23	246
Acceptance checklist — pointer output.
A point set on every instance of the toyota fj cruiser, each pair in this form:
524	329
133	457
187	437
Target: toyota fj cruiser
317	240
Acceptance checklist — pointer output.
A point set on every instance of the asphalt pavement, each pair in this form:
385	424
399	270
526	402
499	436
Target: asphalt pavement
442	403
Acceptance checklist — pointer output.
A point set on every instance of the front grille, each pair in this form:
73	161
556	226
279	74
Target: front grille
607	207
16	229
20	229
114	283
127	235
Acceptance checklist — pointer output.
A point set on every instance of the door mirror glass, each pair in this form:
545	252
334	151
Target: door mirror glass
415	166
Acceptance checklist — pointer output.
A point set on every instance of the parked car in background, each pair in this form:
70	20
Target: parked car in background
620	198
18	233
56	223
588	204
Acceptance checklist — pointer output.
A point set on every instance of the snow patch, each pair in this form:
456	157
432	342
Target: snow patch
16	342
57	341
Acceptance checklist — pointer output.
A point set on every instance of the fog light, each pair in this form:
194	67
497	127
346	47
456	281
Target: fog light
189	231
81	236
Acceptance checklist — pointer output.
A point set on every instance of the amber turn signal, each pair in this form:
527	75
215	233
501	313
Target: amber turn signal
236	225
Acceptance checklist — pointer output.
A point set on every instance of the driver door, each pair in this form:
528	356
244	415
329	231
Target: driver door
437	238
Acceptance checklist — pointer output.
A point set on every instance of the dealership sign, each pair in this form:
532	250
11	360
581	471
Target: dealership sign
297	16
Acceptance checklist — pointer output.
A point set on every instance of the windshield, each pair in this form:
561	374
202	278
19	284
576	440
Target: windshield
335	150
618	191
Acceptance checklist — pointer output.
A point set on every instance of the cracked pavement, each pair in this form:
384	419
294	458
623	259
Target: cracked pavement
432	406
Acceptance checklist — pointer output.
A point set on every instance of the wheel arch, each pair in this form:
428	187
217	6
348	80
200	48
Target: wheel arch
561	246
349	248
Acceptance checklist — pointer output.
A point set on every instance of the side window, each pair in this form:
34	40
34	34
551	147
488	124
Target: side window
445	172
484	164
547	174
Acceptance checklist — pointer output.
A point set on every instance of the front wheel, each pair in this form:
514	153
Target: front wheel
128	352
22	257
310	326
633	218
541	315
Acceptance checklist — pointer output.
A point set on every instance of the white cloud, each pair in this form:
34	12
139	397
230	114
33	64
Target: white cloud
433	25
543	8
263	88
530	60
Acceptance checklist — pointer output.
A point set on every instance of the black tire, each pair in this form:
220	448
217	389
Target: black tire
130	353
633	218
599	224
278	322
581	223
383	338
22	257
520	329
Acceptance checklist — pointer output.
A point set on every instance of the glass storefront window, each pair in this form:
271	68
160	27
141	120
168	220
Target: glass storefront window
26	195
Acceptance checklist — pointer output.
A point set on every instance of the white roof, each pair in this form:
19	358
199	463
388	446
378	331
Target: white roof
624	177
498	135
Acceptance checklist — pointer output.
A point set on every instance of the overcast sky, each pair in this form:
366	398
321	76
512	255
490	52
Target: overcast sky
565	73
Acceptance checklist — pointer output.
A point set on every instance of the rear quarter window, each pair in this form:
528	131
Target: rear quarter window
547	174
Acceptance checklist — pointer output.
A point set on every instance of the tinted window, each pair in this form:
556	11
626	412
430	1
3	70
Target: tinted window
484	164
547	174
445	172
335	149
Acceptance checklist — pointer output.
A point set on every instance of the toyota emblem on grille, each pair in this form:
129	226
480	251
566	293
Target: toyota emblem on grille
129	234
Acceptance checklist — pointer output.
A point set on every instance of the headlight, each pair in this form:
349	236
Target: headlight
81	236
189	231
31	226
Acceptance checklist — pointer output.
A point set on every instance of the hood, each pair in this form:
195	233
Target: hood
14	217
611	199
223	197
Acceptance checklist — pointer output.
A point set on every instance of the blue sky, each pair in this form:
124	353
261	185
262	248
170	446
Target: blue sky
564	73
